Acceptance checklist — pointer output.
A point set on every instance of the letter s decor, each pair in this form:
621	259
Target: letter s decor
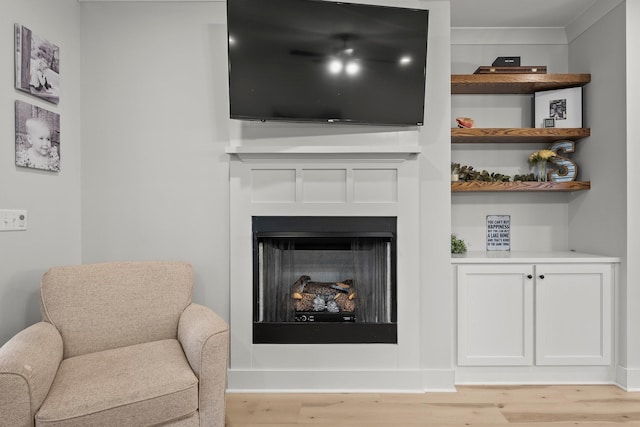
567	170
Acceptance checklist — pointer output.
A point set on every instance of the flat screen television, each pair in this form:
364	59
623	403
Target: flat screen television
325	61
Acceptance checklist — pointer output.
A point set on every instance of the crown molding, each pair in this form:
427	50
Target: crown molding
542	35
592	15
501	36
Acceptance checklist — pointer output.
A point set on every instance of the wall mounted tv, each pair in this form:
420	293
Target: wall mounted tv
324	61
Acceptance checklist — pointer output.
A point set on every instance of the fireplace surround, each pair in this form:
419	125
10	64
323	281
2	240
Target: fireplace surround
347	185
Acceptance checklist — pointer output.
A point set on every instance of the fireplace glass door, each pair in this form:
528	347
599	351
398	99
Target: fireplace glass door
324	280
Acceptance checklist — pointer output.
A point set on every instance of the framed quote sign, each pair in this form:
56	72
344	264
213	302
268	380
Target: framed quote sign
498	232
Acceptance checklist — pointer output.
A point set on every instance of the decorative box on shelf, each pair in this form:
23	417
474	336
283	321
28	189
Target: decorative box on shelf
537	69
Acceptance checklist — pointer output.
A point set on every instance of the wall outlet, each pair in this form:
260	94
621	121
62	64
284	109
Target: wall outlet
13	220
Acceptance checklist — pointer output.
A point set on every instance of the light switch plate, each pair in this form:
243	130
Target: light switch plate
13	219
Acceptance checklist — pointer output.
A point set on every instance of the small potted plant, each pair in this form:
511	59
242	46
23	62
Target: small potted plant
458	246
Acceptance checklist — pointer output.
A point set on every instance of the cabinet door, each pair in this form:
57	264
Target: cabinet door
495	315
574	314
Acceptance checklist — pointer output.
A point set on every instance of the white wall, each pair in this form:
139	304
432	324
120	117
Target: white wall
155	174
598	218
602	156
436	299
52	200
632	291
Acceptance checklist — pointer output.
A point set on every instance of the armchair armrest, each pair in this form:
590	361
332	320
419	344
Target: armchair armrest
205	340
28	364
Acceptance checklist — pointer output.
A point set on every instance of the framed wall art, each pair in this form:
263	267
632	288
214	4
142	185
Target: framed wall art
37	65
37	137
564	106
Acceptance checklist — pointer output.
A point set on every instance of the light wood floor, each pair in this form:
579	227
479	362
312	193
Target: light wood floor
485	406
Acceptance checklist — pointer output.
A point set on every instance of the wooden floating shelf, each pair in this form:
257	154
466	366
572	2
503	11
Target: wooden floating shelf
516	135
514	83
522	186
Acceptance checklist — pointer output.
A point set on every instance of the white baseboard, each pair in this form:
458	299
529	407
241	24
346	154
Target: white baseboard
323	381
439	380
521	375
628	378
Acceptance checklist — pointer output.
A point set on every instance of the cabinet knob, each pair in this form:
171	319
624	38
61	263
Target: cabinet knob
541	276
529	276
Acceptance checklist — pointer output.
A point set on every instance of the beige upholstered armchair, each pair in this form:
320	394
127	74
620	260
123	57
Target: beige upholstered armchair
120	344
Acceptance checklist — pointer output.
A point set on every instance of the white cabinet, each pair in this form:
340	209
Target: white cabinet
573	314
495	315
534	314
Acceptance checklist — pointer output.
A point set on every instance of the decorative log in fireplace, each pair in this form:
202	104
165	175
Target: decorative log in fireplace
334	297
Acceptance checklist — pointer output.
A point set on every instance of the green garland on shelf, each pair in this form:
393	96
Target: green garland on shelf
467	173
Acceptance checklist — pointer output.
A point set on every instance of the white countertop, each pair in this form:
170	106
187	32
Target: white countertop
519	257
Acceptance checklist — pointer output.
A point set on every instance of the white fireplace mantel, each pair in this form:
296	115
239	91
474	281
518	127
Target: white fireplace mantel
339	151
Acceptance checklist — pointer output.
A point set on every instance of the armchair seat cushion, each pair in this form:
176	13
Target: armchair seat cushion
138	385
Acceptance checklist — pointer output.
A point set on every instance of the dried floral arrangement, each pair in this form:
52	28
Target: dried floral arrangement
542	156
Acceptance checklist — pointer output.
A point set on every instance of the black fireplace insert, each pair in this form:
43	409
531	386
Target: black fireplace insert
324	280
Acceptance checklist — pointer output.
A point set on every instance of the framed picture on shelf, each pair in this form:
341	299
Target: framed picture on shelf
37	137
37	67
498	232
564	106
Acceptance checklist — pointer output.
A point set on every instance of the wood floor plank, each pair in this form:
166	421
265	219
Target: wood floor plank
479	406
381	412
551	412
262	409
500	394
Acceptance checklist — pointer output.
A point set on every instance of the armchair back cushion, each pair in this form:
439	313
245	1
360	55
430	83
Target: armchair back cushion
98	307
